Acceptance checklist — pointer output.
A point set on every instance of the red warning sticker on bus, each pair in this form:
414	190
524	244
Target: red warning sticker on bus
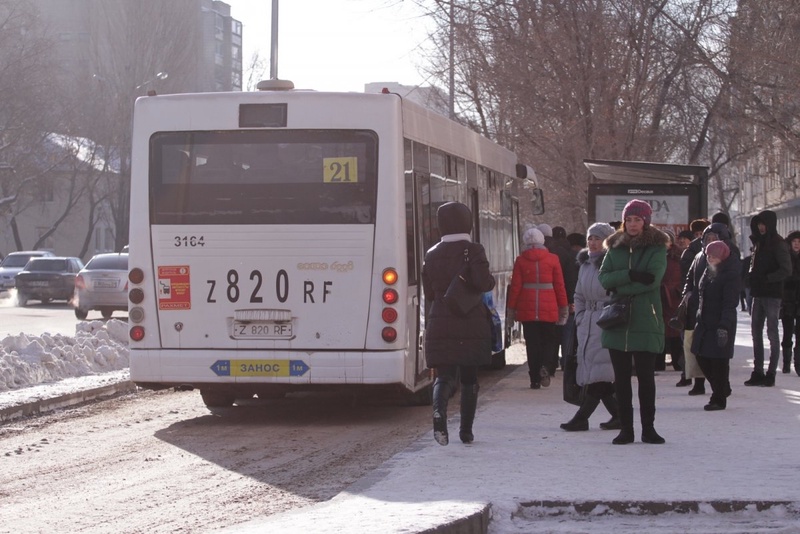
173	288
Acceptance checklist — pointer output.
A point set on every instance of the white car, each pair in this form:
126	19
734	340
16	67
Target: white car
14	263
102	285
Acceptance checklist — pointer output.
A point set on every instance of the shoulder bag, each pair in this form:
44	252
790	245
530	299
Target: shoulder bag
460	296
617	313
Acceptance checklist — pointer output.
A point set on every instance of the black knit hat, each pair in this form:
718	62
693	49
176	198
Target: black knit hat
721	217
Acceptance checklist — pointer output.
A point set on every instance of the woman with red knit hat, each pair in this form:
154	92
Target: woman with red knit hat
634	266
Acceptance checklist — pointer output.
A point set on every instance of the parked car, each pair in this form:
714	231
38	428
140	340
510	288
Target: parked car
102	285
14	263
47	278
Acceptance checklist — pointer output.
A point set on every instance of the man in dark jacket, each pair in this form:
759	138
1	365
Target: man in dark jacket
769	267
557	244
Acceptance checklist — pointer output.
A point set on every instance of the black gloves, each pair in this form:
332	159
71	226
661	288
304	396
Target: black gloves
643	277
722	337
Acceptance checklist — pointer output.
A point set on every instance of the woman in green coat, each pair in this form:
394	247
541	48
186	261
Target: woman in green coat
634	265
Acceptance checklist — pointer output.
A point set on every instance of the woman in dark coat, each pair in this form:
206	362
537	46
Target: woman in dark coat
455	345
790	307
715	330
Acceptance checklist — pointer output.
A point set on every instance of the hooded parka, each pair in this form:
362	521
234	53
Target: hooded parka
645	252
594	362
770	263
452	339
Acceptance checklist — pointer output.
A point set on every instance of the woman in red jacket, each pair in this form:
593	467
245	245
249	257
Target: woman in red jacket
537	298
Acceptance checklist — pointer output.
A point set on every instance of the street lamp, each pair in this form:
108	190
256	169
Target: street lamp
158	76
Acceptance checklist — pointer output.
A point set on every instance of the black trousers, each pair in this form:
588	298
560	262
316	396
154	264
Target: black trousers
450	373
646	376
541	345
717	371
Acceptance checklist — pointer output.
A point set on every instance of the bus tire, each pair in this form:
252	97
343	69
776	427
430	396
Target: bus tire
216	399
498	361
422	397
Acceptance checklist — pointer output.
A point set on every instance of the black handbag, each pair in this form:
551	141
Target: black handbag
573	393
460	296
678	322
616	313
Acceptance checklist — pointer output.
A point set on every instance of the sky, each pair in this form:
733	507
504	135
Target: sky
337	45
520	459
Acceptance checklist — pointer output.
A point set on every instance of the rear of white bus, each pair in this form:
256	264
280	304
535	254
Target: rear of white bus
267	244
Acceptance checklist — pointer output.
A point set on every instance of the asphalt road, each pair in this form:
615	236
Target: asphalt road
37	318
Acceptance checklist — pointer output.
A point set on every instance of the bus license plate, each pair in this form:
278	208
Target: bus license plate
262	330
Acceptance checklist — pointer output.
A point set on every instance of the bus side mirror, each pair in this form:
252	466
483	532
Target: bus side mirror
537	201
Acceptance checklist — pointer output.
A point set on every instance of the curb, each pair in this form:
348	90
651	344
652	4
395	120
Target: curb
71	399
644	508
476	523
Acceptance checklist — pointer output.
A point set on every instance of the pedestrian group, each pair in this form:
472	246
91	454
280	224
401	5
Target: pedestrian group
617	300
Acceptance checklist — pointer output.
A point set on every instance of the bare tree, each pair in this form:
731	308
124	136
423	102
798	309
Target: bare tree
138	46
560	81
27	109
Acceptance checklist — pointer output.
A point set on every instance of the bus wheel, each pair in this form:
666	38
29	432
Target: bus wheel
498	361
215	399
422	397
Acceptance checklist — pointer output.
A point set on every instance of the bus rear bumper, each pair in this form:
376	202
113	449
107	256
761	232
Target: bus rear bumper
154	369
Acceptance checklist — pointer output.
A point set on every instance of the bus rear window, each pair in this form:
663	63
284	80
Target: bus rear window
264	177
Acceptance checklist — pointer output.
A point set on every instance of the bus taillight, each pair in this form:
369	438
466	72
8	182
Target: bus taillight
390	296
136	295
136	275
137	333
389	276
389	334
389	315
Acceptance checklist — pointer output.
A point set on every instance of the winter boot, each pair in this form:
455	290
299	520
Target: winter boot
683	381
699	387
756	379
610	402
469	403
625	435
769	379
441	396
649	434
580	421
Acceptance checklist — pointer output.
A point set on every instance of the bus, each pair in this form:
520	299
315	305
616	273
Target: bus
277	238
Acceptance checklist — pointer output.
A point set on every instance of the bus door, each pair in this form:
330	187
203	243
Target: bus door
422	229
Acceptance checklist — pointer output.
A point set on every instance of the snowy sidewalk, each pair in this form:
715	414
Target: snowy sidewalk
729	471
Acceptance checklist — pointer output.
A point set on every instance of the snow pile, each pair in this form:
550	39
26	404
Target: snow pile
98	347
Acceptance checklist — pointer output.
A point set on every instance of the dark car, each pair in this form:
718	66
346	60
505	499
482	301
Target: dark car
102	285
47	279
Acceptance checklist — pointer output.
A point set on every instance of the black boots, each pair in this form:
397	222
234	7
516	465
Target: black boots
649	434
469	403
610	402
787	359
580	421
625	435
441	396
769	379
756	379
699	387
